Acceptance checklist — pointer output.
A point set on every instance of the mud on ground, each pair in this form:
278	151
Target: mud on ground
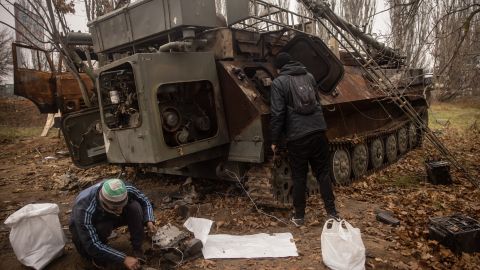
27	177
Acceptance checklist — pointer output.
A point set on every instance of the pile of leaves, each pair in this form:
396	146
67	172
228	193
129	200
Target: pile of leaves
403	189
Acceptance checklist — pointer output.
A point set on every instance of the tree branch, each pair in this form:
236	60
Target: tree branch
466	29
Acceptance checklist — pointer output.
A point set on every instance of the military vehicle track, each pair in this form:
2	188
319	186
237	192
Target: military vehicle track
270	185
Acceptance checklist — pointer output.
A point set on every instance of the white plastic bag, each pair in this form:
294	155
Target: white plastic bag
342	246
36	235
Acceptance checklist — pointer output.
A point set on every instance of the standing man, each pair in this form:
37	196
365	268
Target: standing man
103	207
296	112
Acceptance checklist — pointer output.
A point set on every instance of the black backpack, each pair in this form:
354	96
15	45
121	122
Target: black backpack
304	96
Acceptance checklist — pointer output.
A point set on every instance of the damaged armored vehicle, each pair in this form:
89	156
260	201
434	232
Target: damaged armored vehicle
181	90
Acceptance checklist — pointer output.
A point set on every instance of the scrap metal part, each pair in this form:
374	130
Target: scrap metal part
168	236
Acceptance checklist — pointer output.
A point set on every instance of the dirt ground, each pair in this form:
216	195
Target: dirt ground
31	171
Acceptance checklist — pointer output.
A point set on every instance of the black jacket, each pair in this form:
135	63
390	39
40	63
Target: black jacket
282	118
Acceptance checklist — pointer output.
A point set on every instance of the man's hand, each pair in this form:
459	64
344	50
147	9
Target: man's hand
274	148
152	229
132	263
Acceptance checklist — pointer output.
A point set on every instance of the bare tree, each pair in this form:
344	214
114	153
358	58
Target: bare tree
358	12
280	3
320	31
220	6
411	23
5	53
447	29
282	16
50	15
96	8
457	48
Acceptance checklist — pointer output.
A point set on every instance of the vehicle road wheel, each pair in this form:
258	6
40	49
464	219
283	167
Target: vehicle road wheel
402	140
391	148
359	160
341	167
376	153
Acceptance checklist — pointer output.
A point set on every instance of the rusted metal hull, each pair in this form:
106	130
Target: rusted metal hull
234	70
49	90
69	97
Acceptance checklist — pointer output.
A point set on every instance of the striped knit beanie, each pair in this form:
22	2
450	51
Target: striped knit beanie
114	193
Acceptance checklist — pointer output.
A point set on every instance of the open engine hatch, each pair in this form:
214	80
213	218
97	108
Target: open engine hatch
84	137
318	59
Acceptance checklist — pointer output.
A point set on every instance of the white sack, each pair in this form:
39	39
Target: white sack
223	246
36	235
342	246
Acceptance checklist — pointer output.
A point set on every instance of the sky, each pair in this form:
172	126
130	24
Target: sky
78	21
381	23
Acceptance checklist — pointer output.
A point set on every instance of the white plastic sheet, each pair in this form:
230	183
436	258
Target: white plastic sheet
342	246
223	246
36	235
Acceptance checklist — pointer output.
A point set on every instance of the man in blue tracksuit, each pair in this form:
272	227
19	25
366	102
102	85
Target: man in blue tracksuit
103	207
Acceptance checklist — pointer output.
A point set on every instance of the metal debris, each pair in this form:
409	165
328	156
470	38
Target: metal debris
386	217
168	236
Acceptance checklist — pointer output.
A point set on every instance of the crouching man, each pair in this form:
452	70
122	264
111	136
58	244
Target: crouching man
103	207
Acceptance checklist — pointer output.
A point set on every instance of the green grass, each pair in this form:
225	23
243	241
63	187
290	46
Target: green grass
459	116
402	181
12	133
406	180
